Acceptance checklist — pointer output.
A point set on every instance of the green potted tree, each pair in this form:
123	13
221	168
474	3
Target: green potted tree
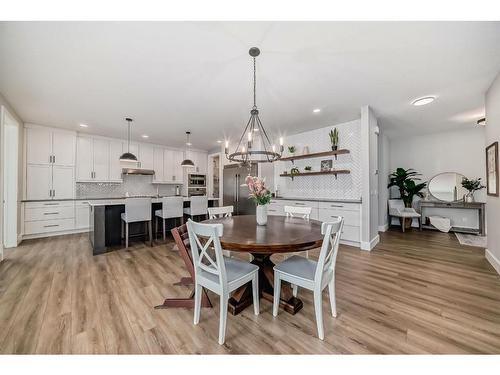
404	180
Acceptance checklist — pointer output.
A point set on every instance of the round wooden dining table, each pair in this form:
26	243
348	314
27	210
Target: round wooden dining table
280	235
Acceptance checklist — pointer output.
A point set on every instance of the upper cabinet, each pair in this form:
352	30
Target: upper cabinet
172	170
158	164
97	159
47	146
200	160
146	156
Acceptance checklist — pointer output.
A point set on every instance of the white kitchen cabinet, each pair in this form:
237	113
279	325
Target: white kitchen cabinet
84	159
101	159
200	160
82	215
168	165
178	170
62	182
38	182
115	167
38	145
146	156
158	164
63	148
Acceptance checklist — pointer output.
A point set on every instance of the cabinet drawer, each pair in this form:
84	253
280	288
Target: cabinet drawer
49	213
275	210
47	226
50	204
312	204
350	217
339	205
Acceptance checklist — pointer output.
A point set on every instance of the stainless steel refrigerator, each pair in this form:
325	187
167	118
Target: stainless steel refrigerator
233	193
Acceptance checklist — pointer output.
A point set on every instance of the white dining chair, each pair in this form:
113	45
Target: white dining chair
171	208
312	275
221	275
137	210
302	212
198	206
220	212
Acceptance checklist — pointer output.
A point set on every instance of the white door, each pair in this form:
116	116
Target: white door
146	156
84	163
63	148
38	146
115	169
38	181
158	164
62	182
101	159
178	170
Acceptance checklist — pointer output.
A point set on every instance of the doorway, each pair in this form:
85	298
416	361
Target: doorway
9	178
214	174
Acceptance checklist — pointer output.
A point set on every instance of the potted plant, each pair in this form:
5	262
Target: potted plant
291	150
471	186
294	171
404	180
260	195
334	138
308	168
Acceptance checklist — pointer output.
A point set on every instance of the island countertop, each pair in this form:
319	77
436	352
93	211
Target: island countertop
118	201
104	201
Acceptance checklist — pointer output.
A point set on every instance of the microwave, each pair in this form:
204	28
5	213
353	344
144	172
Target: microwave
197	180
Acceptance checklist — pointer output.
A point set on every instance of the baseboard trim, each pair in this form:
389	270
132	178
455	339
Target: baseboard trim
368	246
52	234
493	260
383	228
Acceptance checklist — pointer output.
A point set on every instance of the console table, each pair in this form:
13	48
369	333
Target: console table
479	207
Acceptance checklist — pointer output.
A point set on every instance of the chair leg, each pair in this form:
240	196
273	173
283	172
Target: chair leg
295	290
255	294
307	254
150	226
126	235
163	230
331	292
277	292
224	298
319	313
198	292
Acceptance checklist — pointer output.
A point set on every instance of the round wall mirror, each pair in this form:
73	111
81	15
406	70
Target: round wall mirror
447	187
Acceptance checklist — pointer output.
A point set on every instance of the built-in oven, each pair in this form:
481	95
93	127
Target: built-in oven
196	191
197	180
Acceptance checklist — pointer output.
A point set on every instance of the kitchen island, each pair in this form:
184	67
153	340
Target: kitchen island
105	222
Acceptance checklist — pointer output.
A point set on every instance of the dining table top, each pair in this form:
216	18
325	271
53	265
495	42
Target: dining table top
280	235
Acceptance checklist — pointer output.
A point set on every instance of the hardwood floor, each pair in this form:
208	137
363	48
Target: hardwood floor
417	292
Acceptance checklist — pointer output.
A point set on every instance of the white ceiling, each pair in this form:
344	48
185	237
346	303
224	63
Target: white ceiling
177	76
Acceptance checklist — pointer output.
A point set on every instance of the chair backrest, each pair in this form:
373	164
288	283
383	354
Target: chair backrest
201	237
138	209
329	249
199	205
396	203
218	212
172	207
294	211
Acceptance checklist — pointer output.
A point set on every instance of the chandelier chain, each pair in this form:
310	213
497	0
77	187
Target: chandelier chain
254	84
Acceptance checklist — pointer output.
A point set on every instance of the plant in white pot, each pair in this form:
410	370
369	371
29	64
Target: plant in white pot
471	186
260	195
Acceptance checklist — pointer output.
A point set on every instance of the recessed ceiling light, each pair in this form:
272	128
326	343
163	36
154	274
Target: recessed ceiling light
145	136
423	101
84	126
189	144
219	141
316	110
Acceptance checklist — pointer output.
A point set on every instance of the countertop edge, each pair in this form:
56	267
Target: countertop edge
340	200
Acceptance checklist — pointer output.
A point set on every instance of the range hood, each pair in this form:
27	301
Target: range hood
138	171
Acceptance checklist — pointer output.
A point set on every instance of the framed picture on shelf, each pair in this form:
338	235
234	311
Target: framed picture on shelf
326	165
492	169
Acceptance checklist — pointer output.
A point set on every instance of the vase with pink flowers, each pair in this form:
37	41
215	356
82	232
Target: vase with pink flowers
260	195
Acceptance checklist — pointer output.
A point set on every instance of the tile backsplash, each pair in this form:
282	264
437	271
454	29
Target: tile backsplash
132	184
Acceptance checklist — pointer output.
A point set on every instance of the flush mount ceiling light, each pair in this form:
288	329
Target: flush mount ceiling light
481	121
254	145
316	110
187	163
128	156
423	101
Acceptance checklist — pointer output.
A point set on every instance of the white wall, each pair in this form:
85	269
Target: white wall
493	203
457	151
3	102
383	173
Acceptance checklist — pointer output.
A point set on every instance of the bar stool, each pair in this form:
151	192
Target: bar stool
198	206
137	210
172	208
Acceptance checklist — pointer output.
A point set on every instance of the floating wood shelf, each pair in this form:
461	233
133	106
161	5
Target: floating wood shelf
332	172
316	155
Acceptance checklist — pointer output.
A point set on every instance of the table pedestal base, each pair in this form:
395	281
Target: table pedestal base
242	297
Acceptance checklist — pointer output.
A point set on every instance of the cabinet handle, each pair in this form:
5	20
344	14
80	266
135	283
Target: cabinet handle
336	205
54	158
54	193
300	204
51	204
173	178
51	213
51	225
